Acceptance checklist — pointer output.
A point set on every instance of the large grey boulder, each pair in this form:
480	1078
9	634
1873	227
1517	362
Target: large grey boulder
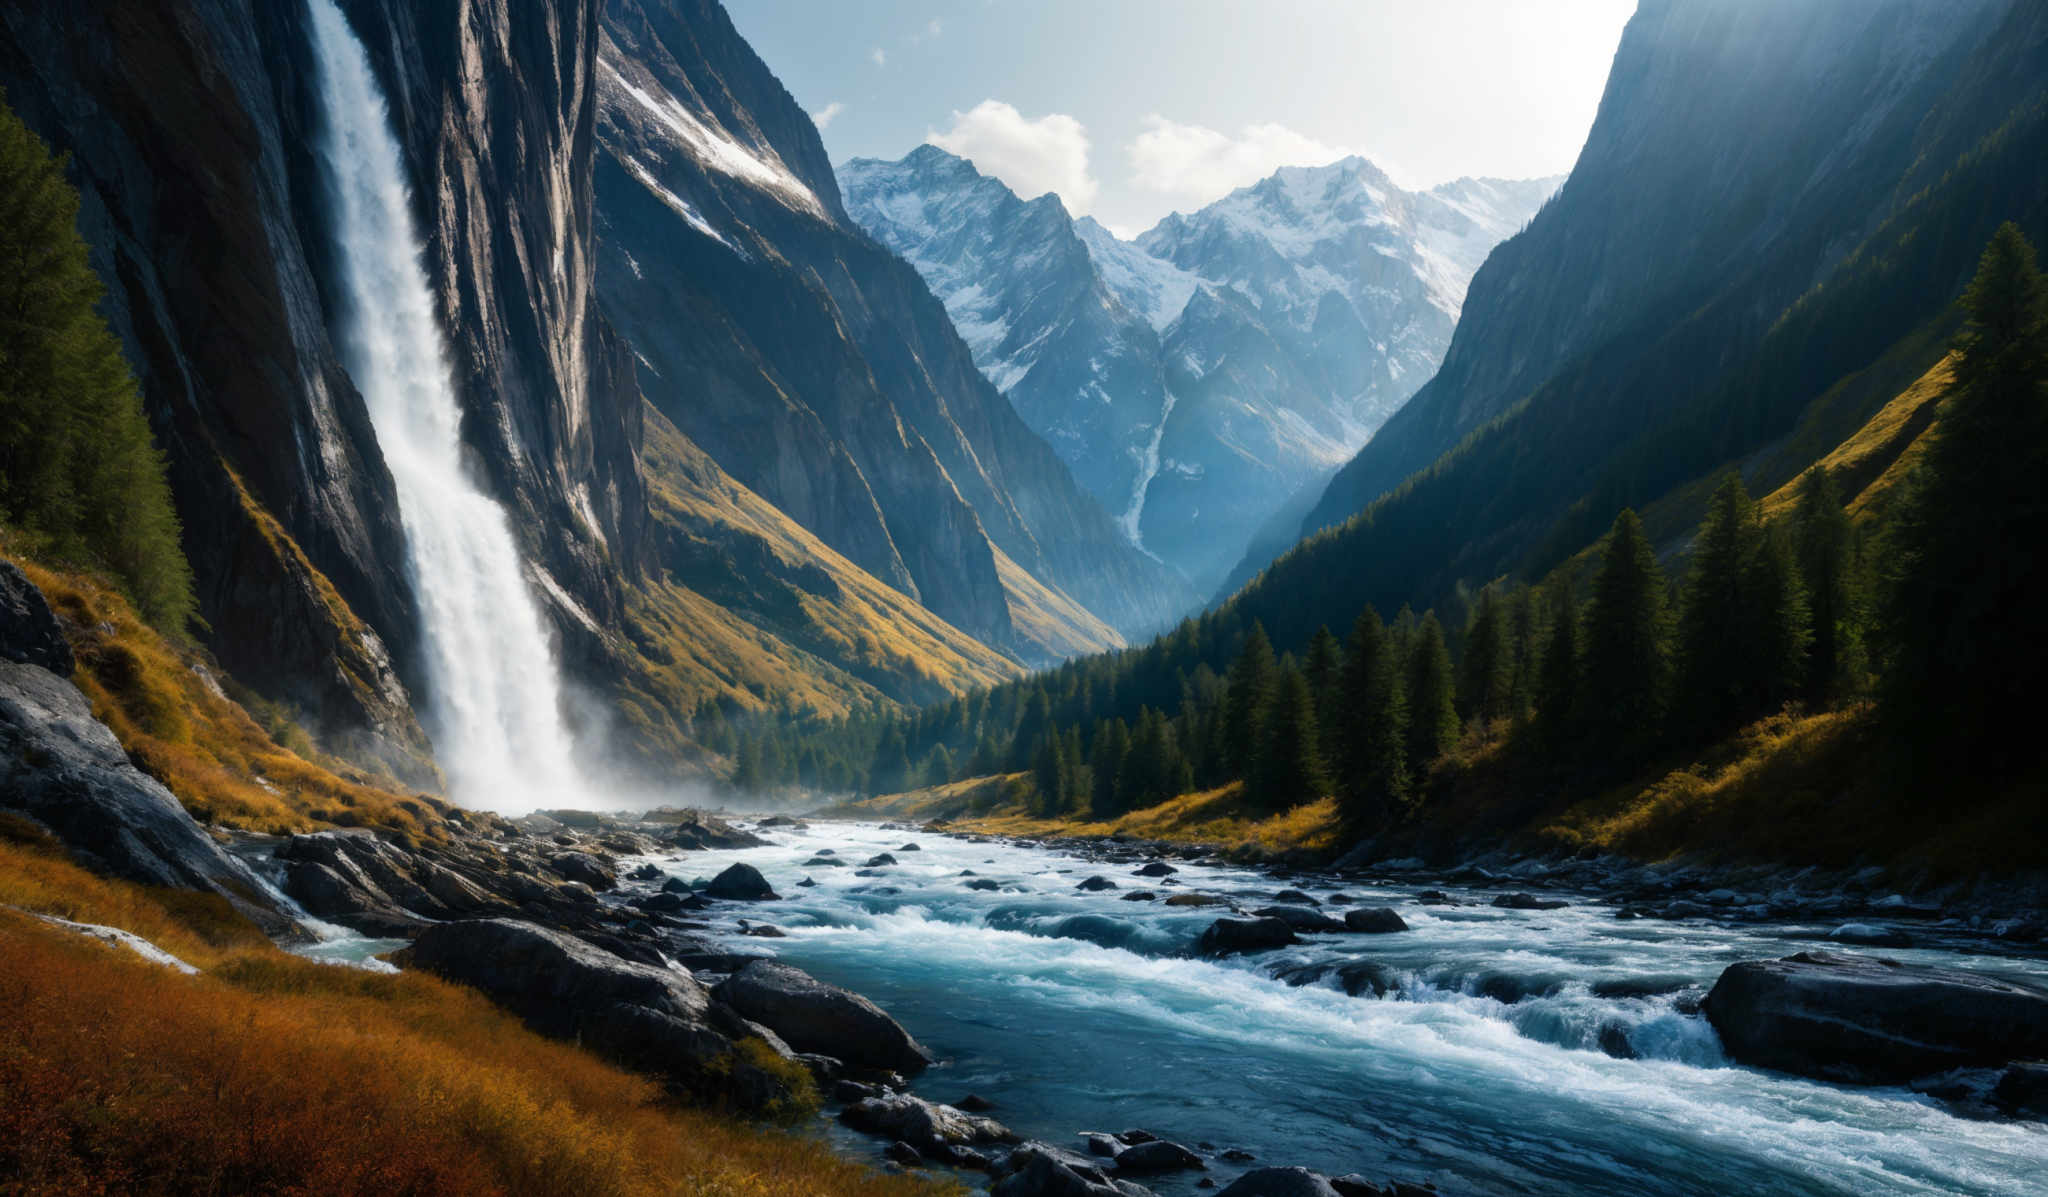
1870	1020
815	1017
651	1019
29	633
1280	1182
1041	1170
372	884
741	883
1228	937
1301	918
1382	920
925	1125
64	769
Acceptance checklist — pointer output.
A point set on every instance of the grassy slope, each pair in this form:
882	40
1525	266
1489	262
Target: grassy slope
765	615
268	1073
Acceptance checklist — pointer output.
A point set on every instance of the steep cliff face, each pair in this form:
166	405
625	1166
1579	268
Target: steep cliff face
1739	152
191	127
814	366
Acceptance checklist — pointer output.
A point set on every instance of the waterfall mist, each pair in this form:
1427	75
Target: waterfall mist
494	701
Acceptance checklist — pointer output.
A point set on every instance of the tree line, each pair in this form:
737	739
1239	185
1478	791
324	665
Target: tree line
81	480
1586	680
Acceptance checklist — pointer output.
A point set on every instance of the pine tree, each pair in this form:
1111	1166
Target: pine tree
1961	626
1049	774
78	467
1074	787
1324	671
938	767
1557	682
1290	756
1625	671
889	772
1112	745
1432	708
1825	545
1249	694
1486	675
1035	720
1713	669
1371	743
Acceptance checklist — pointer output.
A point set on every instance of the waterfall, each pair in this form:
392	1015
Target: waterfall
494	694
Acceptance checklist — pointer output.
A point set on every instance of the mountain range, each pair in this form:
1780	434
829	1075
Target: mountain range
1198	377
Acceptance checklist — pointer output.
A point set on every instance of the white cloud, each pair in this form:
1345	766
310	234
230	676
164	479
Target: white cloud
826	115
1195	165
881	59
1032	156
927	33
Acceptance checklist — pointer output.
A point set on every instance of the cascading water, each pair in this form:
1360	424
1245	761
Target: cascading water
495	696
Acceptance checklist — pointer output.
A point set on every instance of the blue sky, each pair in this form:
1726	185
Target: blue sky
1130	109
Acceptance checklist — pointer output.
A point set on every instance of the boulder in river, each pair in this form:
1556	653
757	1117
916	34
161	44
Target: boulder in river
983	883
922	1124
1042	1170
1529	902
1140	895
1377	921
1157	868
1228	937
1198	900
1095	884
1280	1182
741	883
812	1016
645	1017
1869	1020
1295	897
879	860
1157	1156
1300	918
1870	935
583	867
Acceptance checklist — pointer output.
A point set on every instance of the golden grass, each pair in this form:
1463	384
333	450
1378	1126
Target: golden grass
1873	459
181	728
273	1074
1000	806
1047	617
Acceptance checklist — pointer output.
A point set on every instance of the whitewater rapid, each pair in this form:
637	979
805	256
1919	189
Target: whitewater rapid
1078	1011
494	700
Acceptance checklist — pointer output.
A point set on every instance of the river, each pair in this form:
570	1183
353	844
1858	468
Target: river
1483	1072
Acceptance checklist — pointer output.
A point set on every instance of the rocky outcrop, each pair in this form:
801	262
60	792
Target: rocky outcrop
1280	1182
741	883
64	769
648	1018
926	1126
812	1016
29	633
1228	937
1380	921
1037	1169
1869	1020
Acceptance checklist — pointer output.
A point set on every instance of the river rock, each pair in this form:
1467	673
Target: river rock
1157	1156
812	1016
1197	900
1095	884
1869	1020
1300	918
910	848
1870	935
645	1017
824	862
2022	1091
1140	895
983	883
974	1103
741	883
1295	897
903	1153
64	769
1280	1182
1529	902
583	867
922	1124
1378	921
1228	937
647	872
879	860
697	831
1157	868
1042	1170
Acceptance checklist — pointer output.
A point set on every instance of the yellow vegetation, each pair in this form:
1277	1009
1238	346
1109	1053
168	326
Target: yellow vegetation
177	723
953	800
1883	450
1048	618
269	1073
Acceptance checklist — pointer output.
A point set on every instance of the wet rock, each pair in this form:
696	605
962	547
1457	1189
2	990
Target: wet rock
1435	897
2022	1090
1280	1182
1140	895
1133	1136
974	1103
903	1153
1300	918
1102	1145
646	872
1157	868
1529	902
585	868
1639	987
697	831
741	883
1229	937
922	1124
1868	1020
1095	884
909	848
1380	921
847	1092
1157	1156
1296	897
879	860
806	883
1041	1170
812	1016
1870	935
982	883
662	902
645	1017
1198	900
1238	1155
765	931
824	862
1613	1040
675	885
1340	899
